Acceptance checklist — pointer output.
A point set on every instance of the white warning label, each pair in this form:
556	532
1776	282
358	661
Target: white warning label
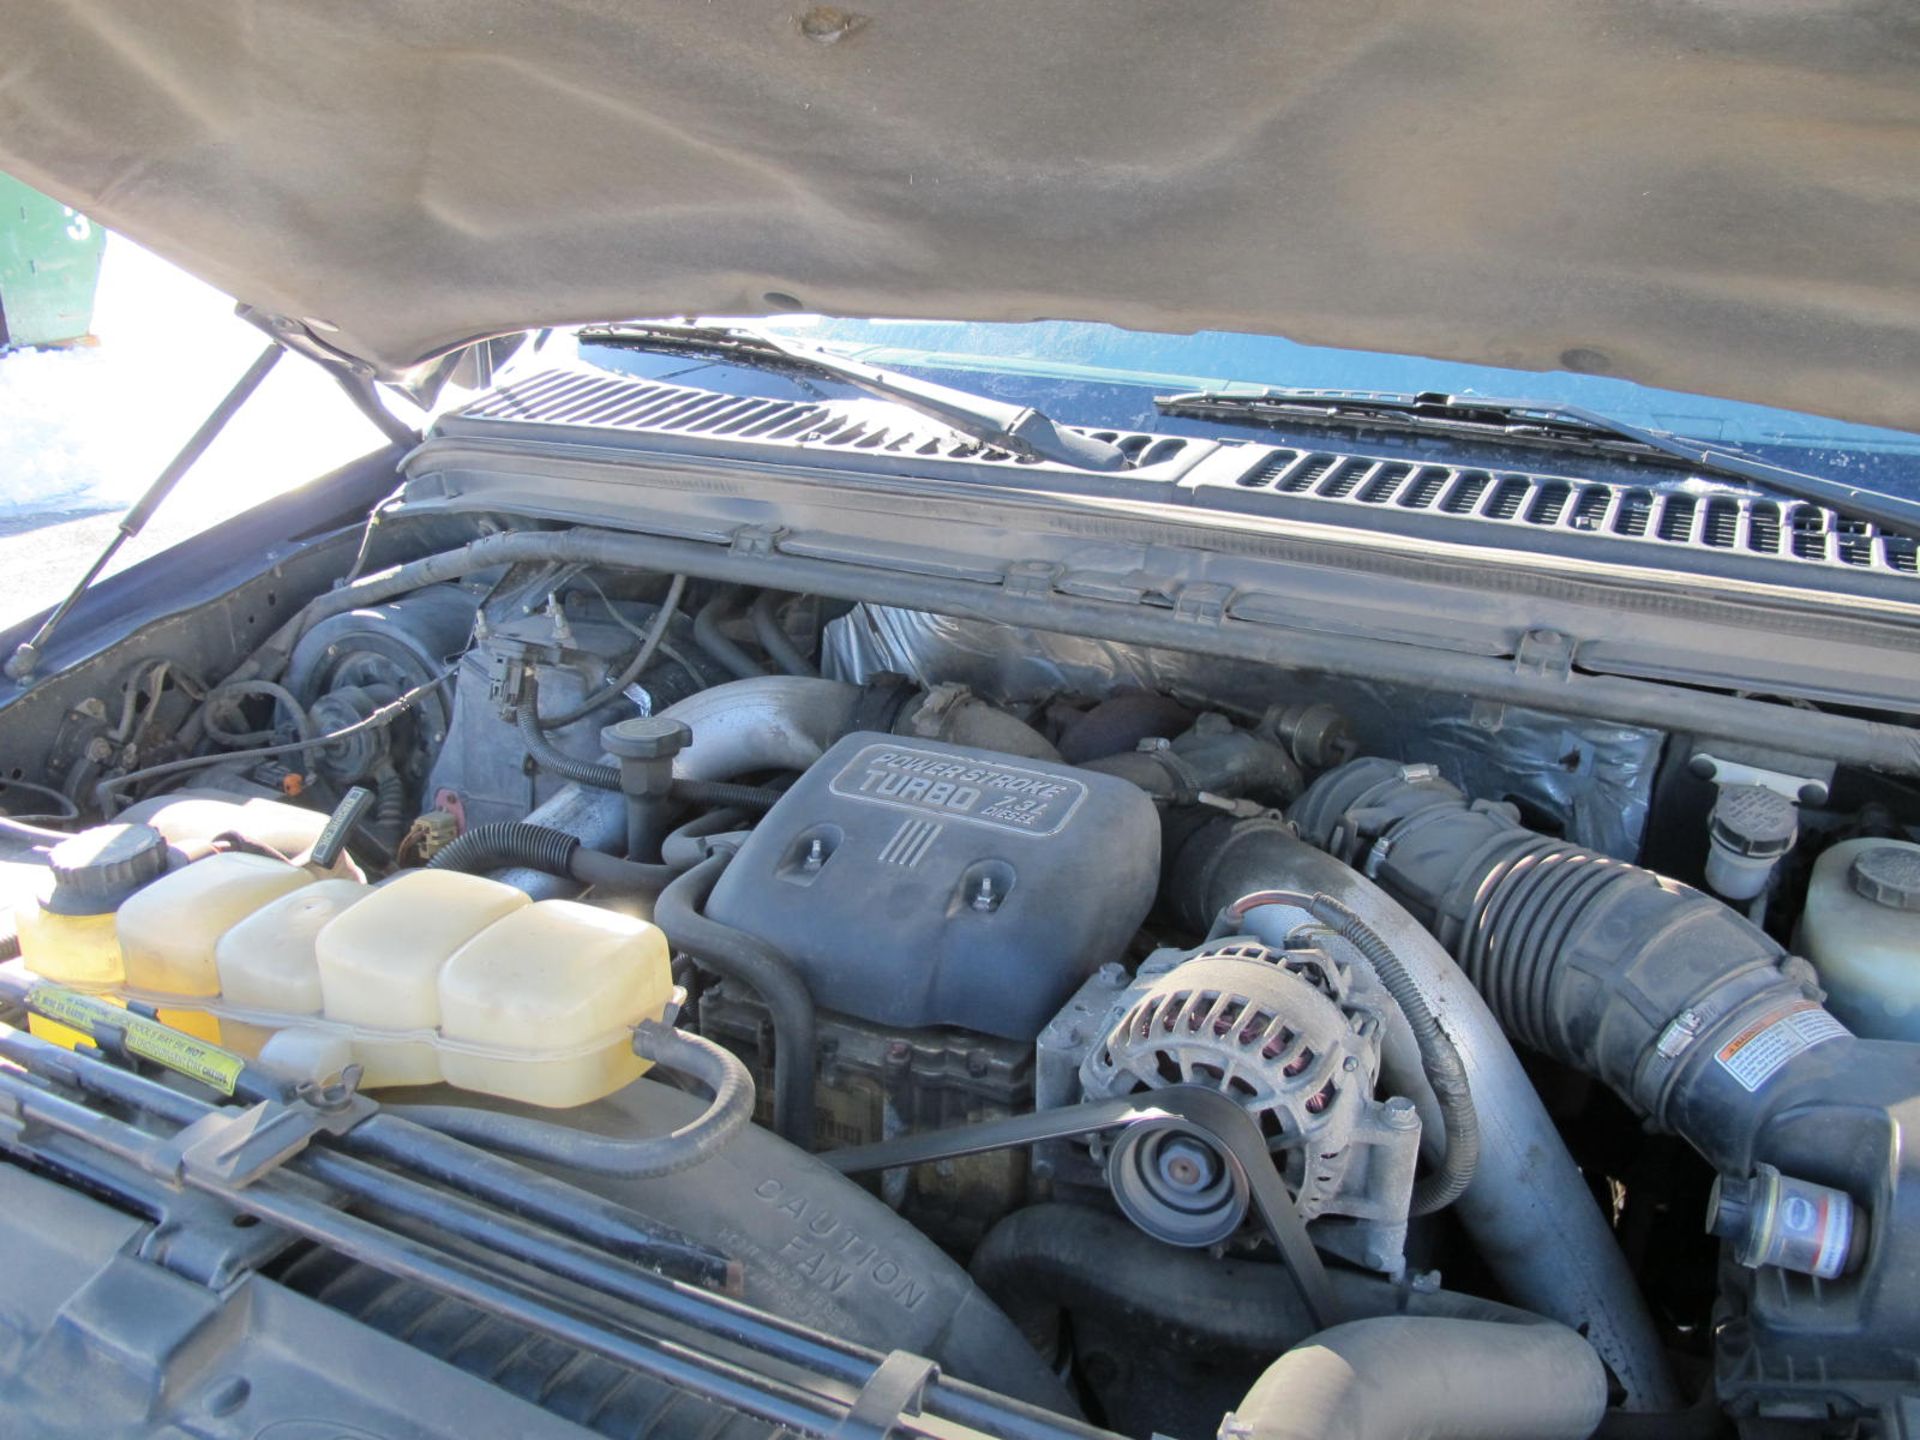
1757	1052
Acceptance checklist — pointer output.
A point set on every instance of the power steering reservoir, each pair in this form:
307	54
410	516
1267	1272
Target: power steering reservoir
1861	930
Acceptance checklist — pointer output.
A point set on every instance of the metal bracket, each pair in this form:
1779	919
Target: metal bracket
897	1387
1547	654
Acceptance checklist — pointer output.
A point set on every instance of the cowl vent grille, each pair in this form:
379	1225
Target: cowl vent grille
612	403
1687	525
1697	520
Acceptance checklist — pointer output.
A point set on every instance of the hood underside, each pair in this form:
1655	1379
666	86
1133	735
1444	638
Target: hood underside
1710	195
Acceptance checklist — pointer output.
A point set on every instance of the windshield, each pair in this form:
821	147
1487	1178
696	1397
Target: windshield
1101	375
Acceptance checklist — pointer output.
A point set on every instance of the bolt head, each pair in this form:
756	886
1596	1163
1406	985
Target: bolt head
1399	1112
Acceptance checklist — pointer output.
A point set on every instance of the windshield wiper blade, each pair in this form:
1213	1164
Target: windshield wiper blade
1534	422
1020	429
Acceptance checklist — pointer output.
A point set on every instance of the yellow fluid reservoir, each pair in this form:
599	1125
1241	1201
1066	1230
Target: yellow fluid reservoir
380	960
66	915
540	1006
64	912
268	961
168	930
81	950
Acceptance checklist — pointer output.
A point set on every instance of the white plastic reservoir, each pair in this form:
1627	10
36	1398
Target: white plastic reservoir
1861	930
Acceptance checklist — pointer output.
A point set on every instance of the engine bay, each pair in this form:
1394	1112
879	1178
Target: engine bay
1148	1012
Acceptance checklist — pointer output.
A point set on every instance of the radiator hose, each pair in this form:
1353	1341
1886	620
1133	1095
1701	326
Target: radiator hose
1052	1258
735	955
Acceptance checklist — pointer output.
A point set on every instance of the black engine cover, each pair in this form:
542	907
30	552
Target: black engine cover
916	883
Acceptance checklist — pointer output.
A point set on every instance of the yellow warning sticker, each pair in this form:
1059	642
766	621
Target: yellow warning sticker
181	1053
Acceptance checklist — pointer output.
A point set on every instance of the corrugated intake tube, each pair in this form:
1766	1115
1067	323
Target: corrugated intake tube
1623	974
1702	1023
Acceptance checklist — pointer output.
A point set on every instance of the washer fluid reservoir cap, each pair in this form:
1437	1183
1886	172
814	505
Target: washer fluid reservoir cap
98	868
1888	875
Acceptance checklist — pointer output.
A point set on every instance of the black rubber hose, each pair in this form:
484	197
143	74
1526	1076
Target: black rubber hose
765	614
725	1078
735	955
1048	1258
715	794
1438	1057
507	843
390	804
550	757
706	634
610	872
33	834
236	690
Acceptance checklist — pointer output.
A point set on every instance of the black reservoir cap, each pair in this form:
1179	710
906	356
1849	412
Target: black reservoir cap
97	869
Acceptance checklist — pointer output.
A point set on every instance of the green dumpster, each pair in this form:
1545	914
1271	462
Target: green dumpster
49	268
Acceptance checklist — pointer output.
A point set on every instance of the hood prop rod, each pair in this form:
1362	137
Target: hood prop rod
26	658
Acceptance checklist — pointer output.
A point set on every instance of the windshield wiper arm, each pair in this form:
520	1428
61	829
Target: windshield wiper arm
1017	428
1535	422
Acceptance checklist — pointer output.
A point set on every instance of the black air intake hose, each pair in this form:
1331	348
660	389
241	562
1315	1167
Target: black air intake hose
1696	1018
1623	974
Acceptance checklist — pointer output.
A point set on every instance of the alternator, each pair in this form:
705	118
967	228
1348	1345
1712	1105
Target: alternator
1293	1036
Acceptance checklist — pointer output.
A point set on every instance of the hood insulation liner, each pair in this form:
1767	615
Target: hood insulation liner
1718	196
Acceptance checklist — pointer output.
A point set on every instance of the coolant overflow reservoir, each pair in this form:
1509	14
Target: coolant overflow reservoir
168	930
68	931
526	1006
1861	929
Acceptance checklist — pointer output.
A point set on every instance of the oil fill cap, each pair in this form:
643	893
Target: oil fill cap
98	868
1888	875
